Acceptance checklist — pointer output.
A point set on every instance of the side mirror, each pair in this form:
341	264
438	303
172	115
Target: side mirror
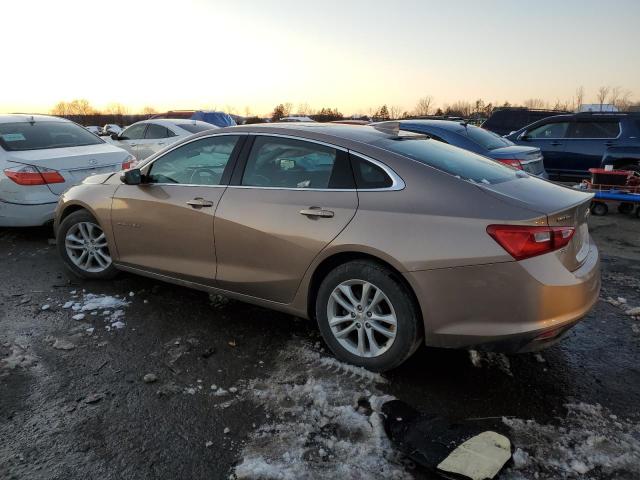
115	136
524	137
131	177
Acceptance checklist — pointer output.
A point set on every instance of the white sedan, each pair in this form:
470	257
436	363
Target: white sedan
40	158
147	137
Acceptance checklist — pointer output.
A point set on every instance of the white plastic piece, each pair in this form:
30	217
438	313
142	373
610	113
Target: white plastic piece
480	457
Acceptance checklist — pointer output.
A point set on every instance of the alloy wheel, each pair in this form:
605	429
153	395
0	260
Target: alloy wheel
86	246
362	318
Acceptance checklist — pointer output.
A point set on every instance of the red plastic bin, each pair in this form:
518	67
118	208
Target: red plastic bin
600	176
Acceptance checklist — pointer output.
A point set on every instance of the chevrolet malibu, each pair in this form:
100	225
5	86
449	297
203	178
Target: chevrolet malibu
387	239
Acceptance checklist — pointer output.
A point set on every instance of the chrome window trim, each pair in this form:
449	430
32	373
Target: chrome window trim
398	183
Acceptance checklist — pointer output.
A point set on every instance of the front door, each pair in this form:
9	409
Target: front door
586	142
155	139
550	139
294	197
166	223
131	137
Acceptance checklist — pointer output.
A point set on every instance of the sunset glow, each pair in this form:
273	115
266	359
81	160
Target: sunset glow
354	55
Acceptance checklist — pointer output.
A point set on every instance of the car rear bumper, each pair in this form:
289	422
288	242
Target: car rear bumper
26	215
511	306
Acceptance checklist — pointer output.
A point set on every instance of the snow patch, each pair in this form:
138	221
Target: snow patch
588	440
111	308
318	429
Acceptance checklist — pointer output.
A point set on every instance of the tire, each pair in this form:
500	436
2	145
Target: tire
599	209
393	301
625	208
73	239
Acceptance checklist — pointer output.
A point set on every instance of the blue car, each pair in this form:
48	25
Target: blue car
479	140
574	143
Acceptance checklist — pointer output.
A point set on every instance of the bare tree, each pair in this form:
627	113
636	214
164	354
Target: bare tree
304	109
247	111
288	107
61	108
602	95
116	108
395	112
579	96
534	103
424	106
624	102
614	95
148	110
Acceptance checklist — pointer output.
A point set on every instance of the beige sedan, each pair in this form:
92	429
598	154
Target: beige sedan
387	239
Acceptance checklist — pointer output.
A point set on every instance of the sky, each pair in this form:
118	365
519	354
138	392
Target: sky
353	55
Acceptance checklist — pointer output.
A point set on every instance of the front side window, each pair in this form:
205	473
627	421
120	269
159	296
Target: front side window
549	131
134	132
290	163
42	135
594	130
455	161
201	162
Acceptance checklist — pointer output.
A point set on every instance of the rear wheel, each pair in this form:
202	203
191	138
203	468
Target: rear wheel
367	317
625	208
599	209
82	244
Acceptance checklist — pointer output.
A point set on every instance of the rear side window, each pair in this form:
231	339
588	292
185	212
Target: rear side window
594	130
290	163
157	131
42	135
195	127
452	160
486	139
368	175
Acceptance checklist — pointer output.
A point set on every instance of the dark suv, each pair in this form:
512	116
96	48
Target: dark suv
505	120
572	144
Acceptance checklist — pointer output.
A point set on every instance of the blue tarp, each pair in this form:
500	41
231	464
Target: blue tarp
618	196
219	119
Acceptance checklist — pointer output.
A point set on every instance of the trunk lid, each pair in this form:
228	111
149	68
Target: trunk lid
530	157
74	163
562	206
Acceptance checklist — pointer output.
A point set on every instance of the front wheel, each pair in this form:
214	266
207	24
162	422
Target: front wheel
82	244
367	317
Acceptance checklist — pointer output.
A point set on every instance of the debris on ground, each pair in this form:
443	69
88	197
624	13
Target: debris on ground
481	359
61	344
149	378
168	389
93	398
208	352
439	444
18	358
44	307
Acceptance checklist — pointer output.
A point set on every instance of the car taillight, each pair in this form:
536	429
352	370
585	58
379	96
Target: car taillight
523	241
30	175
129	162
511	162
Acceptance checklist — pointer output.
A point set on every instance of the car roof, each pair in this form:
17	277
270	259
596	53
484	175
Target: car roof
28	118
364	134
172	121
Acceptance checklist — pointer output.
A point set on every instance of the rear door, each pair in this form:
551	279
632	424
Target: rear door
131	137
289	198
550	139
586	142
156	137
165	225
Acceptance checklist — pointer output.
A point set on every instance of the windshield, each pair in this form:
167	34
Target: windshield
455	161
195	127
41	135
487	139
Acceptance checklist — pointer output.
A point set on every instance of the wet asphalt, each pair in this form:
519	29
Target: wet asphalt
87	413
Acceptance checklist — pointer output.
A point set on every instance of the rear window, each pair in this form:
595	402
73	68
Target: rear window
195	127
452	160
42	135
486	139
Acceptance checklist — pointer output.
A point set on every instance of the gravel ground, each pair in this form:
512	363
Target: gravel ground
139	379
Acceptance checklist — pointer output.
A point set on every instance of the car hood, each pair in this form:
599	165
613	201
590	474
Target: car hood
514	151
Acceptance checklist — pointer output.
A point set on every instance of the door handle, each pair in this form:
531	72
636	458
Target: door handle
556	144
199	202
133	144
316	212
